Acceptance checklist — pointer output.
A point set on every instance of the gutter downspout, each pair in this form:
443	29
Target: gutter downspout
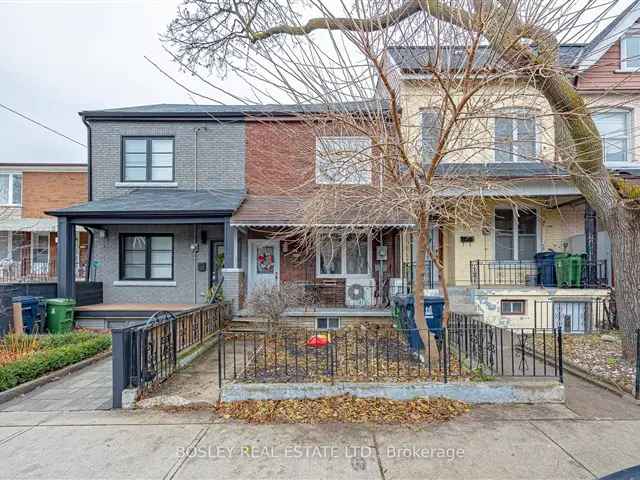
89	158
195	155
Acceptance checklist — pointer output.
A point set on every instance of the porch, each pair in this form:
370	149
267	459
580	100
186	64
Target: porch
150	245
121	315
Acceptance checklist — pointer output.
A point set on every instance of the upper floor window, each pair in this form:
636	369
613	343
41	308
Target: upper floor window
614	132
630	53
10	189
515	137
343	160
147	159
431	129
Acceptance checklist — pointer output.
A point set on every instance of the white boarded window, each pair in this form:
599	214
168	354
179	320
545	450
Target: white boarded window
515	137
10	189
431	130
630	53
343	160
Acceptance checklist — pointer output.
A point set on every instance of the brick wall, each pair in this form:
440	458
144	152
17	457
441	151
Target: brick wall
279	156
42	191
220	161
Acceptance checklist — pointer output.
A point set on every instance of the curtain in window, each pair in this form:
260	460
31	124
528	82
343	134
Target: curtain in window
161	257
613	128
357	255
329	252
431	131
504	235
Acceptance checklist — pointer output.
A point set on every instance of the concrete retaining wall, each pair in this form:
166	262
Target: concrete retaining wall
504	391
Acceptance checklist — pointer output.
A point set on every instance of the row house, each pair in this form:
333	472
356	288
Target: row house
28	236
183	196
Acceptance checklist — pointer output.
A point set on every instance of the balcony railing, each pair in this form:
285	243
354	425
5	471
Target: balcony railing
26	271
523	273
409	276
341	293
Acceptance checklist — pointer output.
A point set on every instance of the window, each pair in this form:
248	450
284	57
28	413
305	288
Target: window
40	249
431	129
327	323
516	234
343	160
147	159
515	137
10	189
630	53
613	127
146	257
512	307
343	256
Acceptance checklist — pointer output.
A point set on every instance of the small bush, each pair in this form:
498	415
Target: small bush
70	338
45	361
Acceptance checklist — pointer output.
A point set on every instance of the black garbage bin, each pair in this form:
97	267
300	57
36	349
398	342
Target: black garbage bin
33	319
546	267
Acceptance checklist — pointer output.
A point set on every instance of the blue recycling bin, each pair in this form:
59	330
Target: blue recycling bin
546	268
433	309
33	317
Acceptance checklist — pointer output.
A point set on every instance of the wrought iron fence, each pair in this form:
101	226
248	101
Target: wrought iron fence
492	273
409	276
466	348
636	391
146	355
575	315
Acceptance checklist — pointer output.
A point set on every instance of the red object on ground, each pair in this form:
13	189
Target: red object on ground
317	341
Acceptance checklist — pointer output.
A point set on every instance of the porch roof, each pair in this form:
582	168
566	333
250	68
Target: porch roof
158	204
284	211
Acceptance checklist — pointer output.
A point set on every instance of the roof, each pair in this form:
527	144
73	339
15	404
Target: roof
412	59
29	225
159	203
501	170
170	110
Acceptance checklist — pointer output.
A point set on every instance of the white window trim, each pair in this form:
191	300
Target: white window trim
343	260
144	283
630	138
10	196
623	53
515	230
33	248
537	145
146	184
321	181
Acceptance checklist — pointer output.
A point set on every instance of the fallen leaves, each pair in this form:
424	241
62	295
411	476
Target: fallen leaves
344	408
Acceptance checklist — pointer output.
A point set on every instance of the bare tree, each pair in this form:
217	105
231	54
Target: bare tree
278	48
271	302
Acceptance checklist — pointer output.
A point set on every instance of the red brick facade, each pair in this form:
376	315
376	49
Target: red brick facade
42	191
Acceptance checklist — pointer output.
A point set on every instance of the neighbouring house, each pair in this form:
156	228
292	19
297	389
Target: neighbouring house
181	196
28	236
491	266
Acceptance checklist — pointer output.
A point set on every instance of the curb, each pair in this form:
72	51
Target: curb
50	377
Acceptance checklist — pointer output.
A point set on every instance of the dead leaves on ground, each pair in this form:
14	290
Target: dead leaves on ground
344	408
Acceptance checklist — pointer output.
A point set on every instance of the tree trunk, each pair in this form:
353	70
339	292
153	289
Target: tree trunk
623	226
418	293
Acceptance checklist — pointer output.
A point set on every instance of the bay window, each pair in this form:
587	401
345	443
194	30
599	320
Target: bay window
146	257
613	127
343	160
516	234
343	256
147	159
10	189
515	137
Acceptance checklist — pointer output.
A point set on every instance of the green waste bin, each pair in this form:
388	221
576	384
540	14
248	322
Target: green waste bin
568	269
60	314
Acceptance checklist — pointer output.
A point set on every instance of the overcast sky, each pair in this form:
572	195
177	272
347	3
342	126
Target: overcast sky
62	56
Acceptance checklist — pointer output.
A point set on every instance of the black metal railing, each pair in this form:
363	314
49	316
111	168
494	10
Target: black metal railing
409	277
146	355
521	273
338	293
636	391
465	349
575	315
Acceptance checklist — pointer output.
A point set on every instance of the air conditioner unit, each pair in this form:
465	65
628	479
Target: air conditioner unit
359	292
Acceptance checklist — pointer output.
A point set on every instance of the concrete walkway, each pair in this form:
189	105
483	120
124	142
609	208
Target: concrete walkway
87	389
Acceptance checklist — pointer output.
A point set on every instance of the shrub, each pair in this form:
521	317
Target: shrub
45	361
70	338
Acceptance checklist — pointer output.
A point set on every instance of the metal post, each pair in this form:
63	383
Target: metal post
220	347
591	244
66	258
119	365
637	392
444	351
560	361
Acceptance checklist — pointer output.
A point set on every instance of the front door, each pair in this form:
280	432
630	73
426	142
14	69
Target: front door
216	262
264	263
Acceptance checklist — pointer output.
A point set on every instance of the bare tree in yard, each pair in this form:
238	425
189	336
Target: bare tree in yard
271	302
482	54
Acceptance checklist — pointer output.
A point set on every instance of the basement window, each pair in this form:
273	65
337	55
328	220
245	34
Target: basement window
512	307
327	323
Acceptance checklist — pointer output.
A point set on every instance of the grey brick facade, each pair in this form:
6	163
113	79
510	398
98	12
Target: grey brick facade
220	158
220	165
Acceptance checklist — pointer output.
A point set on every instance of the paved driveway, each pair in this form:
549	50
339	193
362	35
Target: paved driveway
87	389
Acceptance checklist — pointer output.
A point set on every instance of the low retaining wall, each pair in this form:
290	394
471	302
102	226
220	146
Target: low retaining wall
503	391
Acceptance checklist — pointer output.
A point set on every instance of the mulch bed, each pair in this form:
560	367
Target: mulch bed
600	354
345	408
355	354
